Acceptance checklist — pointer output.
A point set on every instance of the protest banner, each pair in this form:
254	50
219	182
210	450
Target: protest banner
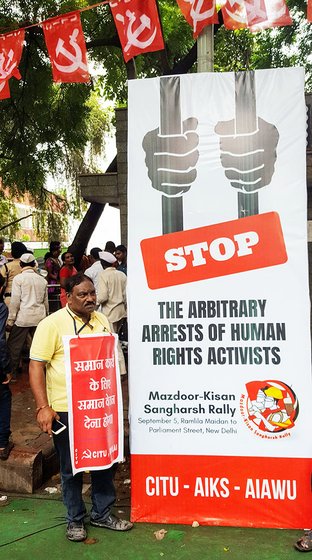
220	384
94	401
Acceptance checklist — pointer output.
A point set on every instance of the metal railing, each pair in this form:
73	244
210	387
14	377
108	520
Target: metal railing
54	297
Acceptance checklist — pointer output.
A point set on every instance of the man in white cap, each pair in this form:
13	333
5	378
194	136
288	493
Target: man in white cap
112	285
112	296
96	268
28	306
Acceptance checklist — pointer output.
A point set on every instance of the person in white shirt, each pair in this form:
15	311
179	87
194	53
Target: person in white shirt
112	297
28	306
94	270
112	285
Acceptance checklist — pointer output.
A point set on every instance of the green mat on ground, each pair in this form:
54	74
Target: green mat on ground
34	528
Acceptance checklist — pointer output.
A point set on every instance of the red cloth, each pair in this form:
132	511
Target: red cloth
138	27
11	48
65	273
199	14
67	48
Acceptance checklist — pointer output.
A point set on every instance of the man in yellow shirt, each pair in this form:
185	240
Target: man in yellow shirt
48	384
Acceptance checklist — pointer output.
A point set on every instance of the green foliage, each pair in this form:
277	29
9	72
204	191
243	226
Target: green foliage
50	218
49	224
272	48
233	50
8	215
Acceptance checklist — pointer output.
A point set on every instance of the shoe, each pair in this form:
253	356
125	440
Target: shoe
76	531
112	522
4	453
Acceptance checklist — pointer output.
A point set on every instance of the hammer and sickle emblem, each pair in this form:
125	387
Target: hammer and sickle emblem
75	59
134	34
6	66
239	15
196	13
255	10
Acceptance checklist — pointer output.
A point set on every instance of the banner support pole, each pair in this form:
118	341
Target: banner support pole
205	49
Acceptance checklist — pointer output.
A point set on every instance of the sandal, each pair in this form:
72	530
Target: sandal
305	543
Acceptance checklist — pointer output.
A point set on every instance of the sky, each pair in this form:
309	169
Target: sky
107	229
108	226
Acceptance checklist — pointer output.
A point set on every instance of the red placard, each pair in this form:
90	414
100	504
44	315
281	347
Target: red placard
224	490
67	48
217	250
138	26
199	13
11	48
95	409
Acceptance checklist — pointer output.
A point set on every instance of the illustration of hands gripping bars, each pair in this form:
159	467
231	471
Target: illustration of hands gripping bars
172	155
248	146
248	154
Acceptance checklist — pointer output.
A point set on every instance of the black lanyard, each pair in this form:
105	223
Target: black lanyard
77	332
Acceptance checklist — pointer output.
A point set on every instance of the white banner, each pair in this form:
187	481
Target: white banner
220	377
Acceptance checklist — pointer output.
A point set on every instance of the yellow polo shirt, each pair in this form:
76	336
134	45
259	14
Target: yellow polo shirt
47	346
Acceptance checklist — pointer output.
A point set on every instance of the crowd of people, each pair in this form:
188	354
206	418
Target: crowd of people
38	305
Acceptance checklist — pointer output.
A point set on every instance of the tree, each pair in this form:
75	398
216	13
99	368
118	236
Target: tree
9	224
45	127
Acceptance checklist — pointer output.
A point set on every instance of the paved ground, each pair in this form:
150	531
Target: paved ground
33	526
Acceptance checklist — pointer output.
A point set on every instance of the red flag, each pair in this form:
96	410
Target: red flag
255	14
11	48
309	14
277	13
234	14
199	13
263	14
138	26
67	48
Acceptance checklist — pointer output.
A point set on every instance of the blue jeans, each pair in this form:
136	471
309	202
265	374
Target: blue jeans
103	493
5	413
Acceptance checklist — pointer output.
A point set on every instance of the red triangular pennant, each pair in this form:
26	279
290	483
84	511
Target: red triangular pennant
309	13
255	14
234	14
138	26
67	48
277	13
263	14
11	48
199	13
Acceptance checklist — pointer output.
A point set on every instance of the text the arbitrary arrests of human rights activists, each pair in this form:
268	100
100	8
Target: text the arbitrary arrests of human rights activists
211	341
